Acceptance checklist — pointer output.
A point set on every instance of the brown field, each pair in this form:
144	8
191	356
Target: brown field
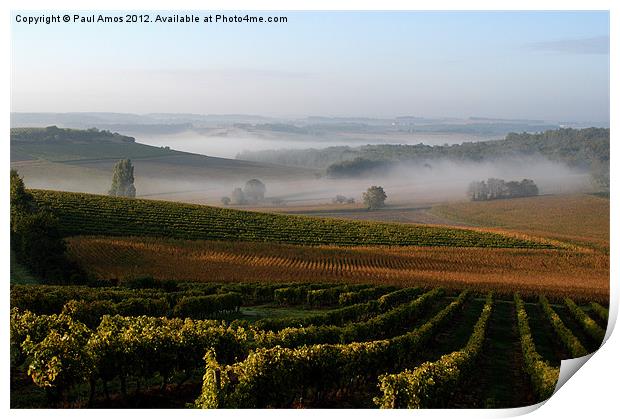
578	219
561	272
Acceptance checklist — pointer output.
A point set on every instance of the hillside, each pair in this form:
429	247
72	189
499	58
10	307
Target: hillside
82	161
578	148
81	214
581	219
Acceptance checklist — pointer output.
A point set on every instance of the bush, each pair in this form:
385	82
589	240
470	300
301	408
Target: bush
202	307
145	282
290	295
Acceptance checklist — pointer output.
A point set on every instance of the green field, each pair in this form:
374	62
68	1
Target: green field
81	214
286	345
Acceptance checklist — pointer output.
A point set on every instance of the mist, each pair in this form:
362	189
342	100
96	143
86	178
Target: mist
435	181
421	183
228	142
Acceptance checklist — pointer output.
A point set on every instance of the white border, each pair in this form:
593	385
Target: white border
592	392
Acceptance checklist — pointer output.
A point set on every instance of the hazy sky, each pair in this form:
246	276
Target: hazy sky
542	65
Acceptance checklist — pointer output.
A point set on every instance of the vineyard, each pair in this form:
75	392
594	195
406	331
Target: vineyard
211	345
85	214
559	272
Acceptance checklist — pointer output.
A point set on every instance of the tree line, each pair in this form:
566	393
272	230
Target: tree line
500	189
253	192
585	149
54	134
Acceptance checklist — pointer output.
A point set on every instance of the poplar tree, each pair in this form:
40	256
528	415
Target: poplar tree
122	180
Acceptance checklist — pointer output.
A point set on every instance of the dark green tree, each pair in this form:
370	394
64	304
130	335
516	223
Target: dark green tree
122	180
36	238
374	197
40	246
21	201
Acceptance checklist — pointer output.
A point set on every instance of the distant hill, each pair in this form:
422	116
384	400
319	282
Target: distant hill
578	148
82	161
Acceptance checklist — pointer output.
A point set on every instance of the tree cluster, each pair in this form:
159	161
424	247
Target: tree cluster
341	199
252	193
500	189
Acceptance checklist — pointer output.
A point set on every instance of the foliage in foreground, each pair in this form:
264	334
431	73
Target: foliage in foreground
36	239
431	384
575	348
278	376
544	377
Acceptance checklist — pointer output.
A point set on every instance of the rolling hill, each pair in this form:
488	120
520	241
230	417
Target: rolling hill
82	161
81	214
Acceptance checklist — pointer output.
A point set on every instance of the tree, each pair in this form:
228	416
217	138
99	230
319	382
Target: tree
237	197
496	188
374	197
225	200
40	246
122	179
36	238
528	187
478	191
339	199
254	190
21	201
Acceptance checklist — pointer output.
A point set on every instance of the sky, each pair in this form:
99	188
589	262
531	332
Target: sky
552	66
